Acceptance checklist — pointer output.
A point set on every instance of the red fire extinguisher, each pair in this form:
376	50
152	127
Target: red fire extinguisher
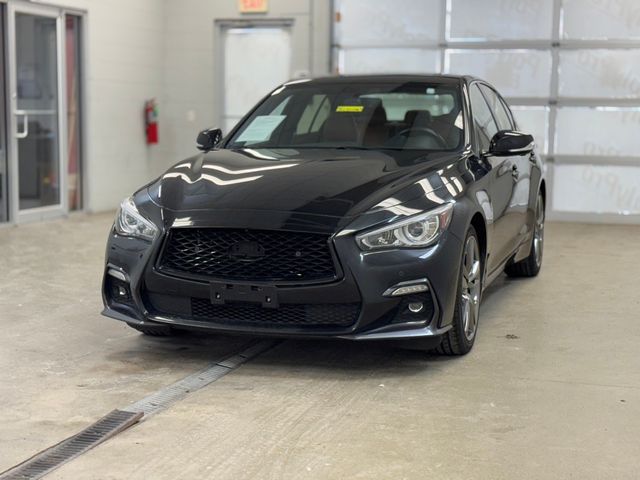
151	121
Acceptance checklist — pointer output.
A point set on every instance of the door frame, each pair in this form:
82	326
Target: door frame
49	211
10	72
220	25
4	132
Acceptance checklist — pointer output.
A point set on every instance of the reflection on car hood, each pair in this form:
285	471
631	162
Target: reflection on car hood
316	181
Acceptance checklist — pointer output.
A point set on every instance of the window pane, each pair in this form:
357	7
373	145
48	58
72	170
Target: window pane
501	115
535	121
600	19
596	188
598	131
399	23
398	106
600	73
515	73
500	19
399	114
485	126
388	60
37	92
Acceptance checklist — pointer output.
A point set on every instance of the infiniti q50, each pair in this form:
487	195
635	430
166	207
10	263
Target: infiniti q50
363	208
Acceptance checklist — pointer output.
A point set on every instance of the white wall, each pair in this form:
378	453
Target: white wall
192	69
164	49
124	62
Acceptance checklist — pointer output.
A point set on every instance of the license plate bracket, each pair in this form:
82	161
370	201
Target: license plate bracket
266	295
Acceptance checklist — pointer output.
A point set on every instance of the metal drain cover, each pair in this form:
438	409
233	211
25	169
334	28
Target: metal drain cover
51	458
118	420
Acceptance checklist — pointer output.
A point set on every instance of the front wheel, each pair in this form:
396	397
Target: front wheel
459	340
530	266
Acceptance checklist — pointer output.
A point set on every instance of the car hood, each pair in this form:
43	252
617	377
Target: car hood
330	182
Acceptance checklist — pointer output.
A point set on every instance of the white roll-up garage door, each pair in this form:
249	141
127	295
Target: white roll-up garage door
570	69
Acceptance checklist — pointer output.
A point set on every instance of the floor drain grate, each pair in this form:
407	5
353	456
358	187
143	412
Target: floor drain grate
50	459
119	420
166	396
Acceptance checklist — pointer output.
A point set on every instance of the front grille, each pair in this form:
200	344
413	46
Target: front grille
249	255
292	315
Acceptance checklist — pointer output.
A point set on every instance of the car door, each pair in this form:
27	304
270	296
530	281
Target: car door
501	180
516	210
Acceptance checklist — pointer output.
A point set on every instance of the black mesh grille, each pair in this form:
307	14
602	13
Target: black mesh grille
320	315
249	254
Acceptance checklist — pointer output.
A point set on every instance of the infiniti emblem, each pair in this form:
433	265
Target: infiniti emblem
246	251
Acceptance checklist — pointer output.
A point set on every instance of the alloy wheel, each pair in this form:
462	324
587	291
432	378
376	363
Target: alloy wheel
471	284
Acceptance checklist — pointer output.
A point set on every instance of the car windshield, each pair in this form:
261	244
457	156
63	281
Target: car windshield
399	115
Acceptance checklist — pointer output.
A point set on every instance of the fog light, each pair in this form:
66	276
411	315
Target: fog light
117	274
416	307
406	290
119	291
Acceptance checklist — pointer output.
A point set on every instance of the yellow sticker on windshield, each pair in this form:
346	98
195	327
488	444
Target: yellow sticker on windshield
349	108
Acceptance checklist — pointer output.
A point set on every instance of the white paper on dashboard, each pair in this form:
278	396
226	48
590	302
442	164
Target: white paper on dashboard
261	128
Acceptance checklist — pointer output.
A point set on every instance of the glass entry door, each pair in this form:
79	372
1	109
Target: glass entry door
37	153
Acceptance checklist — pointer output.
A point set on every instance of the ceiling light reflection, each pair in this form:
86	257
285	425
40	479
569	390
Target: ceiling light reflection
210	178
222	169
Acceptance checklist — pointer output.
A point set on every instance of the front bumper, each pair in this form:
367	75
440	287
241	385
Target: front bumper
157	298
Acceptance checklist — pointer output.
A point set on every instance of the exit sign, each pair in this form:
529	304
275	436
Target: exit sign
253	6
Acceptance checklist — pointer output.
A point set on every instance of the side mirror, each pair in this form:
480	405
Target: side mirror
208	139
509	142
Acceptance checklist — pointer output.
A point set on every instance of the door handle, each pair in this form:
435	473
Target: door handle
514	172
25	125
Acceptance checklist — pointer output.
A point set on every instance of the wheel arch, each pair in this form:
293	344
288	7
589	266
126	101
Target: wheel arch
479	224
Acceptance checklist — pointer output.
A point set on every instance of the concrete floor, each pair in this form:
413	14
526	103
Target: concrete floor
551	389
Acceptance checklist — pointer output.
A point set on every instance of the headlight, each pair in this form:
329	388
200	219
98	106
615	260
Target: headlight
129	222
417	231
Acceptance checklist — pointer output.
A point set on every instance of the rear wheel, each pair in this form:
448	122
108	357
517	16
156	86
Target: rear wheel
530	266
153	330
459	340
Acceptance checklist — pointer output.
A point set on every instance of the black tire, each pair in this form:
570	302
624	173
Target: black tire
153	331
530	266
458	341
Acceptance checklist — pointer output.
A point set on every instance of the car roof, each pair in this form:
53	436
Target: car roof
338	79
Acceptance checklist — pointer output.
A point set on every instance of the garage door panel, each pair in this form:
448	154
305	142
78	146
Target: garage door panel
515	73
401	23
597	19
599	131
535	121
501	20
388	60
600	73
584	188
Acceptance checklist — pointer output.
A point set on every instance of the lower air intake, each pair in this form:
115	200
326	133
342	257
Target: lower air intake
287	315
